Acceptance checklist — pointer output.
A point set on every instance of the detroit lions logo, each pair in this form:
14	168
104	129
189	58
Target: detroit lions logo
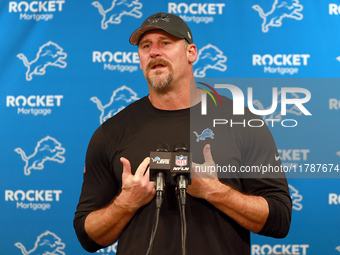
280	9
118	8
338	153
50	54
206	133
338	248
120	98
277	114
338	58
158	17
47	149
156	159
296	198
209	57
47	243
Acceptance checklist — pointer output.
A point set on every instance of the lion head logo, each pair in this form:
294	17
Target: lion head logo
114	14
46	243
47	149
120	98
209	57
280	9
50	54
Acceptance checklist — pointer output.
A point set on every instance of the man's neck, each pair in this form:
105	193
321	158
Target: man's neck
175	99
170	100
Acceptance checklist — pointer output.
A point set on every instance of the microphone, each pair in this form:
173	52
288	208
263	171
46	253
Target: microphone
159	170
181	165
181	169
180	175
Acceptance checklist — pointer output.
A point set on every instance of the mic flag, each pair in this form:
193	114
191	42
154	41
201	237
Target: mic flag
160	162
180	163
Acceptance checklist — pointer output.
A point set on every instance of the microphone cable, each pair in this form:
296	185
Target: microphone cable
180	195
182	184
159	201
160	184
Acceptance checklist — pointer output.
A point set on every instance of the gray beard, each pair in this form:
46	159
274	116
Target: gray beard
160	83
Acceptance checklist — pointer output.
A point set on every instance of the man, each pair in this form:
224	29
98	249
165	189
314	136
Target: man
117	199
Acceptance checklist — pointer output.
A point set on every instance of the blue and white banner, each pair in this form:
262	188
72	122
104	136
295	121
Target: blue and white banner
66	67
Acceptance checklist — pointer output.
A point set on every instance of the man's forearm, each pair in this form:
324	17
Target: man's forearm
104	226
251	212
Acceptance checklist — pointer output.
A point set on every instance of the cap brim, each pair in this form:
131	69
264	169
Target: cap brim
136	35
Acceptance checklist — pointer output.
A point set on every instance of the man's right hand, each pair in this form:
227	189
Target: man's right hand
137	189
105	225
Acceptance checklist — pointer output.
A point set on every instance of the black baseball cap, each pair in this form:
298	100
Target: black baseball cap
170	23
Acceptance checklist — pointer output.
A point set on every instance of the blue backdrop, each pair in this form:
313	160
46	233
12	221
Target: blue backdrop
63	63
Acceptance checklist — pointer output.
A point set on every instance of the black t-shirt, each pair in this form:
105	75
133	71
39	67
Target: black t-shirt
139	129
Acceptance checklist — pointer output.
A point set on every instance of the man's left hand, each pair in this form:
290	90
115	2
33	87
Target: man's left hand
204	180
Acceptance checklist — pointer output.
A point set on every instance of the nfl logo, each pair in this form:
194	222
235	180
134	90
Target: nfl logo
181	160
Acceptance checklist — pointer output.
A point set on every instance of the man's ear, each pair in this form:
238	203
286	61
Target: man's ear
192	52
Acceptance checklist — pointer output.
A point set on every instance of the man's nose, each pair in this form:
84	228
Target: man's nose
155	50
